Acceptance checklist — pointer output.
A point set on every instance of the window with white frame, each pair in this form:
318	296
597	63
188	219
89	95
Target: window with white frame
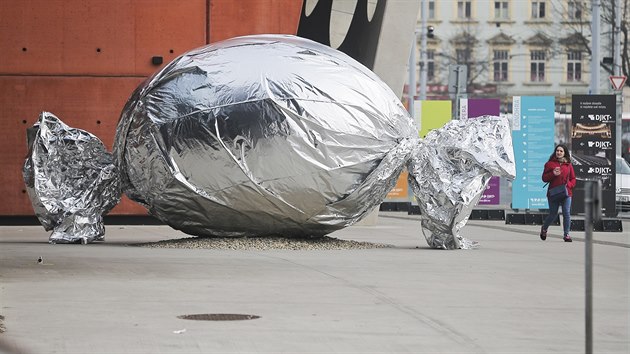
501	10
574	10
574	66
500	65
538	9
430	65
537	66
464	10
431	7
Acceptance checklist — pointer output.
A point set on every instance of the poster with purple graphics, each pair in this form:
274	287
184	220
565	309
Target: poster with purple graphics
477	107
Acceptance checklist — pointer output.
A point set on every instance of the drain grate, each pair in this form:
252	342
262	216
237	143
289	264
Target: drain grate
218	317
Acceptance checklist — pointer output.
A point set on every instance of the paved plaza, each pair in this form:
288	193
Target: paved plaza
513	294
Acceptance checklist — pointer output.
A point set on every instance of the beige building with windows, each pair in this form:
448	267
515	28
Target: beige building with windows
513	48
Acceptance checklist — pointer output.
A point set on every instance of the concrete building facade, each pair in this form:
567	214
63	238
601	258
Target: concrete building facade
514	48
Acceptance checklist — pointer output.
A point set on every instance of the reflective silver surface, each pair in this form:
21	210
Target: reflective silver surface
449	171
71	180
261	135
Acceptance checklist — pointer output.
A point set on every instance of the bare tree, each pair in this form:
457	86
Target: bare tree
608	19
461	51
575	24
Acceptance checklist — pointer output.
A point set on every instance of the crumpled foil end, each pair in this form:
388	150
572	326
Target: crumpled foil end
449	170
71	180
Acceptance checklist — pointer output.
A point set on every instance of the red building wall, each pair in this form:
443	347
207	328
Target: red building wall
81	60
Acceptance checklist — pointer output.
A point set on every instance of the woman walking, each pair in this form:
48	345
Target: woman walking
559	171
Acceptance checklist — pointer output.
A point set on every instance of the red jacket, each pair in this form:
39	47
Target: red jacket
566	169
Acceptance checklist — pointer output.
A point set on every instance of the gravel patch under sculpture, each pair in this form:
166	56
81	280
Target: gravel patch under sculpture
263	243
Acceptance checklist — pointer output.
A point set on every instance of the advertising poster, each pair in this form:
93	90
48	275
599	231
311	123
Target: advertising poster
472	108
593	146
533	137
432	115
400	192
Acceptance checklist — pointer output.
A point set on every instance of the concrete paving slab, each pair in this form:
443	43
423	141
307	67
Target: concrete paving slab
514	294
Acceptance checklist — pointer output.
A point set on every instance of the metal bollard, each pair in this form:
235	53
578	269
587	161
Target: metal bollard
592	213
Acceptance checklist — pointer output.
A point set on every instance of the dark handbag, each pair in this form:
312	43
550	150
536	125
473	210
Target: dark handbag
558	193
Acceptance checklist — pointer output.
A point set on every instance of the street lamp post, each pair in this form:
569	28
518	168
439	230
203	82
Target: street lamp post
411	90
617	72
423	60
423	50
595	33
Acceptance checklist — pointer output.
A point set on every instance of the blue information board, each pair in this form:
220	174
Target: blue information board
533	138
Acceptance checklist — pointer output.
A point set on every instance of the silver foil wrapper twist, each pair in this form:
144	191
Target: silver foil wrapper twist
71	180
261	135
449	171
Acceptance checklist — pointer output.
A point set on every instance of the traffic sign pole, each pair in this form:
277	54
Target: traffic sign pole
618	82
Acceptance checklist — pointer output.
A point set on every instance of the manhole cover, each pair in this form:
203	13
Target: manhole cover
218	317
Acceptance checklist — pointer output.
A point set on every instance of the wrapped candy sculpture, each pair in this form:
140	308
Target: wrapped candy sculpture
279	135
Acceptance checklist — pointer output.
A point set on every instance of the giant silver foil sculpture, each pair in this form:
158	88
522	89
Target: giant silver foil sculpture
449	170
260	135
263	135
71	180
